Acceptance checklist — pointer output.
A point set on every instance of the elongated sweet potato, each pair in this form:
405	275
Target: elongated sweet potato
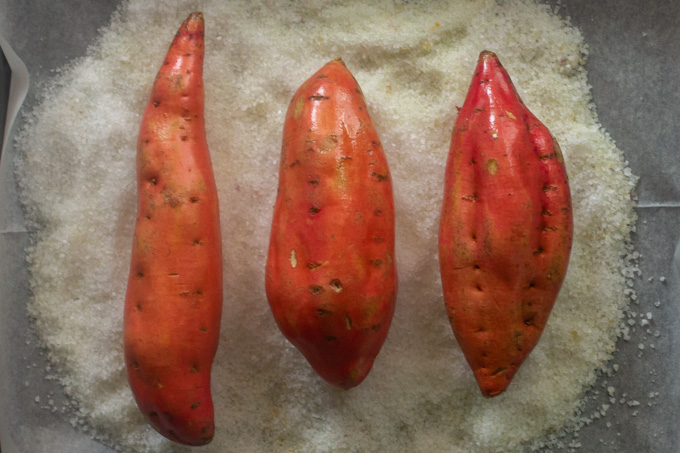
174	296
330	275
506	227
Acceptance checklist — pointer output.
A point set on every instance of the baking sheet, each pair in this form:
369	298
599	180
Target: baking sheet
635	77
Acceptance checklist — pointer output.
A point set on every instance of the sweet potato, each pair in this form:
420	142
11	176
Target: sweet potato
330	275
506	227
174	296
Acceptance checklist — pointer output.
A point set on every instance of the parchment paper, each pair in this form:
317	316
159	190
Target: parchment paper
634	71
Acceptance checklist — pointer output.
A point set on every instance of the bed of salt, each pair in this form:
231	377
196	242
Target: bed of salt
75	164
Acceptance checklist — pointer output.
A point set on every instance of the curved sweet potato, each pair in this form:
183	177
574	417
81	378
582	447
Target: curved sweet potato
173	303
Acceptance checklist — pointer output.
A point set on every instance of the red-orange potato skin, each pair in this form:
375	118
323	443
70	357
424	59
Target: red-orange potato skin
173	303
506	227
331	278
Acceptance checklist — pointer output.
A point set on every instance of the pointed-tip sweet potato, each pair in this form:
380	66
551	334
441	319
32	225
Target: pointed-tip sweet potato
173	302
506	227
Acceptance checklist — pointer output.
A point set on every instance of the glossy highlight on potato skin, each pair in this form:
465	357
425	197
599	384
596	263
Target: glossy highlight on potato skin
173	303
505	230
331	276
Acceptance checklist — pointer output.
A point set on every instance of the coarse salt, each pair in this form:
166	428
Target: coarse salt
76	168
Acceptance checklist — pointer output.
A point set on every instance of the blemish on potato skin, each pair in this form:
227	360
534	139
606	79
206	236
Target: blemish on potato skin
492	166
348	323
336	285
312	266
171	200
293	259
315	289
324	313
499	371
298	108
328	144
